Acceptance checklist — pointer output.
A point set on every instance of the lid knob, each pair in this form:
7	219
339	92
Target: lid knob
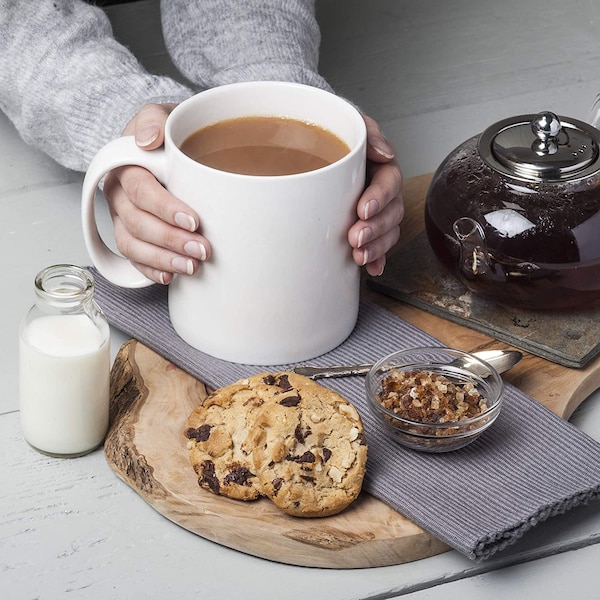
546	126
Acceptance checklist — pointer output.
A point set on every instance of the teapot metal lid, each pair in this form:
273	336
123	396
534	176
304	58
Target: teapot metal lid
541	148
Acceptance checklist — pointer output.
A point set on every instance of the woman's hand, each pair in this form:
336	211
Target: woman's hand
153	229
158	232
380	208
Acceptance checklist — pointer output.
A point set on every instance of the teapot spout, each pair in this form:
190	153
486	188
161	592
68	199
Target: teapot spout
474	256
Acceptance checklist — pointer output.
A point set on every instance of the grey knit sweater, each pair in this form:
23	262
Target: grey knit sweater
69	87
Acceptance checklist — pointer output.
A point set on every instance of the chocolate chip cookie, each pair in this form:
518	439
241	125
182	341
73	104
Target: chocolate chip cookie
283	436
217	432
309	452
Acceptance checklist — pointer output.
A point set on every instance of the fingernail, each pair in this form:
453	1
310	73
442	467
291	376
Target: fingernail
383	263
365	235
145	136
185	221
195	249
372	208
381	147
162	277
365	257
183	265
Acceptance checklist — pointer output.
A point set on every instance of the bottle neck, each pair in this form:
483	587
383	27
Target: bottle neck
65	289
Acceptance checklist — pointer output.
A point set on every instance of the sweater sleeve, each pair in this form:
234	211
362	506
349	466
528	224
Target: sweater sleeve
214	42
65	83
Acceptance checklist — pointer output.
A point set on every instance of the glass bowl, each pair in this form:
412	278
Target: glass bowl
432	397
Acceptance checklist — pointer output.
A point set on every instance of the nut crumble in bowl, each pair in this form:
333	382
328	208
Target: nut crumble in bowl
434	399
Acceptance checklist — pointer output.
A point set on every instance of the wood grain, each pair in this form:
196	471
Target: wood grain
152	398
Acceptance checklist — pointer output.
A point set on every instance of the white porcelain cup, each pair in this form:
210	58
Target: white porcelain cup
281	286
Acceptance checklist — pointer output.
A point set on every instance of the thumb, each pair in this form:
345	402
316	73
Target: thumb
378	148
148	126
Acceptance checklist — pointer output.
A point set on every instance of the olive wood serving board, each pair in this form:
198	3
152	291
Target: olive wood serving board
151	399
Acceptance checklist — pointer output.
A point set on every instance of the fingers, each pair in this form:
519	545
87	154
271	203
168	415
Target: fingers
154	230
376	267
377	236
380	211
144	193
380	208
154	262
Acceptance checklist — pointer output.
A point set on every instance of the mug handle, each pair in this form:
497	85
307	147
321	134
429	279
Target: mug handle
120	152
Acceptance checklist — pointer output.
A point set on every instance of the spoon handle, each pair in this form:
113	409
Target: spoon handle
333	371
501	360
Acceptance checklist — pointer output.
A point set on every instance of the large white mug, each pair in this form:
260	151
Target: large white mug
281	286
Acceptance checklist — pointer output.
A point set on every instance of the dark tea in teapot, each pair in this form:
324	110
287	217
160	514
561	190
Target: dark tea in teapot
520	236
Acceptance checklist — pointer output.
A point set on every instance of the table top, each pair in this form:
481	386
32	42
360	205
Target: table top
70	526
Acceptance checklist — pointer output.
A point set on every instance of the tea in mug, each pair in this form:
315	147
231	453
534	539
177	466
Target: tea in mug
264	146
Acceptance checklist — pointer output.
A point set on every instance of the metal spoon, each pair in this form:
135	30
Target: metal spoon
501	360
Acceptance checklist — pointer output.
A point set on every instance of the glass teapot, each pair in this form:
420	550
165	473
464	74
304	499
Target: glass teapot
514	212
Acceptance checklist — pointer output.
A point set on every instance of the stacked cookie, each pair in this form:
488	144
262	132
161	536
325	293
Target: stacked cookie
282	436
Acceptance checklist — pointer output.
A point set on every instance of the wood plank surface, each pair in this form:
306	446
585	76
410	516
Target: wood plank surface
151	399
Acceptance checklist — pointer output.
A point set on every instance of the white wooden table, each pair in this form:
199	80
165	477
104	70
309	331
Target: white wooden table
433	73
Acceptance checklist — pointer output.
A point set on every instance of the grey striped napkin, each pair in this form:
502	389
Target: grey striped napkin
530	465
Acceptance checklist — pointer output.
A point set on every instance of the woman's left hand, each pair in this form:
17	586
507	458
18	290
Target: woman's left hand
380	208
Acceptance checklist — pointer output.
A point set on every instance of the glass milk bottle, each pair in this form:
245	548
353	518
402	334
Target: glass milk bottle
64	365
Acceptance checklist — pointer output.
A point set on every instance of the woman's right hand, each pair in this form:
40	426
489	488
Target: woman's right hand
156	231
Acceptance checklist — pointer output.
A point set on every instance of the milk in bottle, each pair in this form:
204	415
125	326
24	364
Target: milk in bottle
64	365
